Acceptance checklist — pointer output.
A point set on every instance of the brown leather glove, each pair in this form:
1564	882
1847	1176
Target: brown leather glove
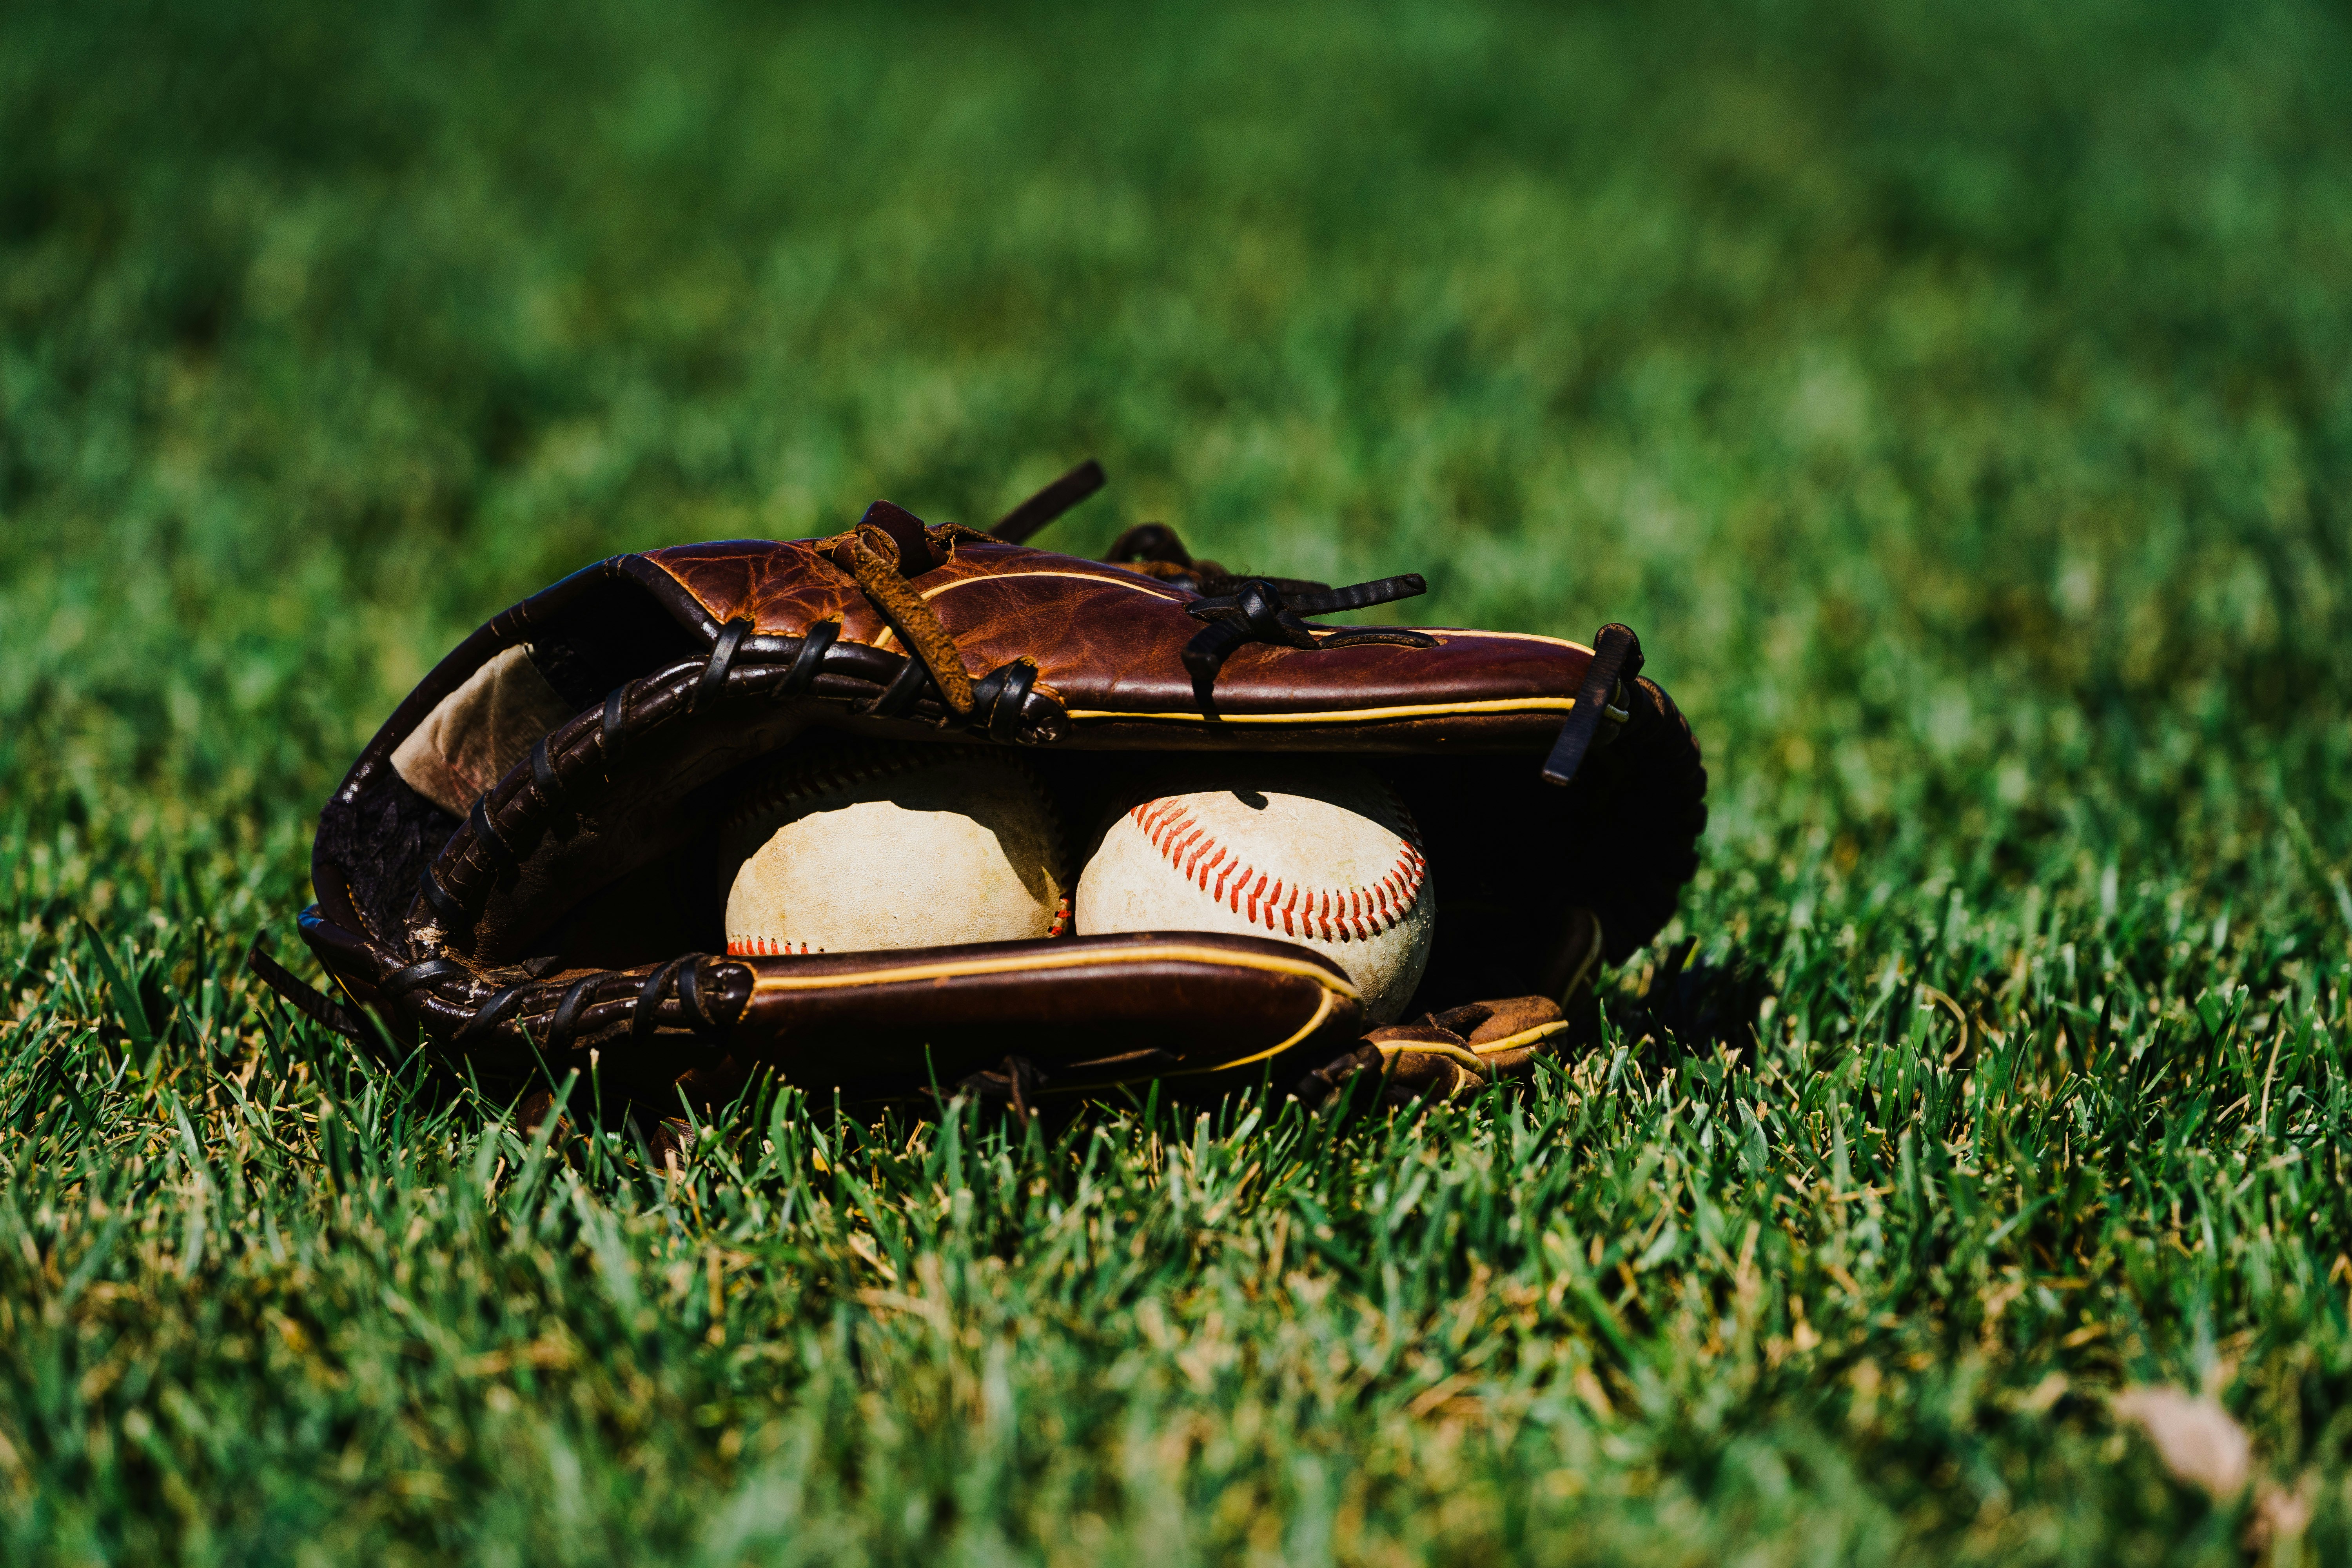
518	868
1455	1054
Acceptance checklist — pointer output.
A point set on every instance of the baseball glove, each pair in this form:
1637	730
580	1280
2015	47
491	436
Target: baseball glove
516	874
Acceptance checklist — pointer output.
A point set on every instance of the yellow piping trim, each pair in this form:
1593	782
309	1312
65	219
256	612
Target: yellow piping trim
886	639
1515	637
1342	715
1390	1049
957	968
1081	576
1322	1011
1472	1057
1524	1038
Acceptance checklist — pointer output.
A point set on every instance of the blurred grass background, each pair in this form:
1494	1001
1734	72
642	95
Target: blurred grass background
1940	392
1958	400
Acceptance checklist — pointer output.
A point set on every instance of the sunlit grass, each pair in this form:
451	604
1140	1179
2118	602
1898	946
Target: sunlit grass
1955	400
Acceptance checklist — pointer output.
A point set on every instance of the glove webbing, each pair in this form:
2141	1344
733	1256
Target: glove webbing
691	986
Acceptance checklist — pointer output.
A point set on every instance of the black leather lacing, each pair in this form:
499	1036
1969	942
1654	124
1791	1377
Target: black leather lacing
818	639
1153	549
1049	503
722	659
304	998
682	975
491	1013
690	999
505	818
567	1011
1260	611
650	997
542	773
997	696
566	1021
494	845
1616	658
442	901
400	982
905	689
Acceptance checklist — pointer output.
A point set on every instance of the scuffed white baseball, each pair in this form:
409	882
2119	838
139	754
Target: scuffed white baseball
1323	855
875	845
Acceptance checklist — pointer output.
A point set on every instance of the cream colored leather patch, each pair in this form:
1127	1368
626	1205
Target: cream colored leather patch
478	731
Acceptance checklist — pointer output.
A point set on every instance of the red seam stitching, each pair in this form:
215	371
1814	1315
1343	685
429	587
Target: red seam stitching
1360	912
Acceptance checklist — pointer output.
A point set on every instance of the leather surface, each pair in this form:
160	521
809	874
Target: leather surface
1089	1010
1110	642
479	730
539	920
1454	1055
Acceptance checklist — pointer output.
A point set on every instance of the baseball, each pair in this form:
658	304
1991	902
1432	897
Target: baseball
879	846
1324	855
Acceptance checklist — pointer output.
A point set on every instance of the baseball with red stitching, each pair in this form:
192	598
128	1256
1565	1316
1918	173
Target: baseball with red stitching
870	846
1323	855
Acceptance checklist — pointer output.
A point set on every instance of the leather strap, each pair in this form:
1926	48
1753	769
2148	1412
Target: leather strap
566	1020
1616	655
542	773
493	1012
873	559
444	902
400	982
1260	611
810	659
647	1015
906	690
306	999
1156	544
487	834
722	659
996	700
1014	1083
1031	515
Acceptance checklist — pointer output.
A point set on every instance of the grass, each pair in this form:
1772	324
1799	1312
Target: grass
1958	401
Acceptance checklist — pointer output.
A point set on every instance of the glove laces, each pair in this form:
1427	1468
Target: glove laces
1260	610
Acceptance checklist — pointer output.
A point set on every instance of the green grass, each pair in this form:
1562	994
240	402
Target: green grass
1958	401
